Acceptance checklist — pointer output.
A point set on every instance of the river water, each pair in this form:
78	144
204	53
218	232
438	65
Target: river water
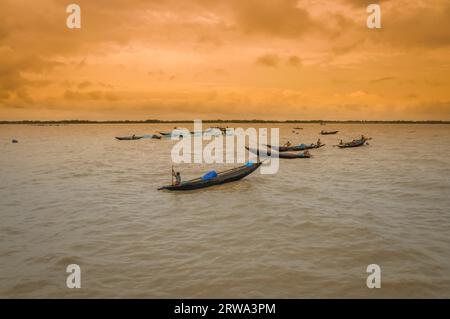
72	194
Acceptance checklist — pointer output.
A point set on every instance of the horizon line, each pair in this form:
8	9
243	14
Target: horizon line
153	121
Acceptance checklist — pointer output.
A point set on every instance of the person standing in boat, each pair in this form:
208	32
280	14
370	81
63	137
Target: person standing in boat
318	142
363	138
133	137
341	143
177	176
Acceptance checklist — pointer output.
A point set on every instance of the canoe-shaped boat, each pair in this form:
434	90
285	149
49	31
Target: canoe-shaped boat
128	138
227	176
280	155
328	132
183	133
301	147
355	143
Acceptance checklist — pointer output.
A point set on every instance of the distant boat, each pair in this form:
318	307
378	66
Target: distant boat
298	128
128	138
300	147
287	155
227	176
328	132
14	141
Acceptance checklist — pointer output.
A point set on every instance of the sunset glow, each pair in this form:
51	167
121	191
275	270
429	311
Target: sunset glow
232	59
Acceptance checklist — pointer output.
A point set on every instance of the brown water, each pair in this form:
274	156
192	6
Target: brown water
74	194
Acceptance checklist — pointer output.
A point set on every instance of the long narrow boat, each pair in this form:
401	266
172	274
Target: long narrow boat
182	133
128	138
354	143
328	132
280	155
227	176
301	147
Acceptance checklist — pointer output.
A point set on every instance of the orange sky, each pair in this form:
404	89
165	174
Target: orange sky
229	59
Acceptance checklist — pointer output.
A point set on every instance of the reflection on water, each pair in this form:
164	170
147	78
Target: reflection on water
74	194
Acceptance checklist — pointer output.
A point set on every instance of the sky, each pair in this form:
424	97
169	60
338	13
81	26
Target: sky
228	59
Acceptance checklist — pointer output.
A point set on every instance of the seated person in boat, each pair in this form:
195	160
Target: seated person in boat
306	153
177	176
287	144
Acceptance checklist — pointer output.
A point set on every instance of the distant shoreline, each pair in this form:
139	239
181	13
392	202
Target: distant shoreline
63	122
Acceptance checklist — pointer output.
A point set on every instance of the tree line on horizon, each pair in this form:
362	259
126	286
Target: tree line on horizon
155	121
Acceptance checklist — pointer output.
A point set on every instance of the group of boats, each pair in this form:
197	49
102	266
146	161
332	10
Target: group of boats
285	152
217	130
175	132
240	172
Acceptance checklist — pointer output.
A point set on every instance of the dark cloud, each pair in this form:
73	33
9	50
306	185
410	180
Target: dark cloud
280	18
294	60
383	79
271	60
84	84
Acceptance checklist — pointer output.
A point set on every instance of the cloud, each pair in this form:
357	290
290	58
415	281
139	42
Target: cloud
84	84
383	79
271	60
281	18
294	60
208	55
82	96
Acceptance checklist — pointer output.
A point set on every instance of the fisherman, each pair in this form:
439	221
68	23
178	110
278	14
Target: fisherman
318	142
306	153
341	143
177	177
133	137
287	144
363	138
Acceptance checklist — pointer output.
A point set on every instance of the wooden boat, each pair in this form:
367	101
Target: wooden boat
128	138
301	147
182	133
328	132
280	155
354	143
227	176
